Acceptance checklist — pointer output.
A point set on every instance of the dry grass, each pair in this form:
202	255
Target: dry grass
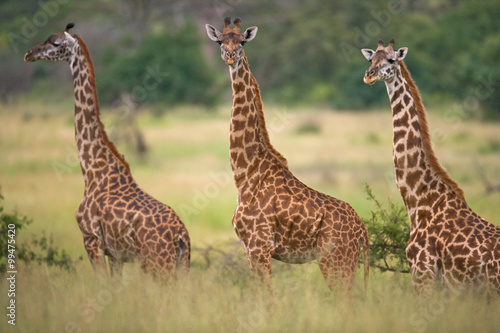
222	298
188	168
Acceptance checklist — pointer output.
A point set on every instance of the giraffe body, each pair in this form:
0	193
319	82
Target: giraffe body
277	216
116	217
449	243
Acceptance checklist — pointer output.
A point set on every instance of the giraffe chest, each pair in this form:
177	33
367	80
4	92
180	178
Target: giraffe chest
282	223
119	231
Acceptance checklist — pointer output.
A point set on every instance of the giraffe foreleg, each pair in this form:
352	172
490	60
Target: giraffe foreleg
95	252
92	238
115	267
425	279
259	260
262	268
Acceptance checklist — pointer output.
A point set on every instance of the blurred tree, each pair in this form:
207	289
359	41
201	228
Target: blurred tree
22	27
469	44
312	56
294	59
306	52
166	68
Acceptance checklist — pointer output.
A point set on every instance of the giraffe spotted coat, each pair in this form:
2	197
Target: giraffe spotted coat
449	243
277	216
116	217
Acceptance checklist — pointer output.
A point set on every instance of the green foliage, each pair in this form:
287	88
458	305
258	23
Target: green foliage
453	52
305	53
470	34
166	68
40	250
9	222
389	231
21	28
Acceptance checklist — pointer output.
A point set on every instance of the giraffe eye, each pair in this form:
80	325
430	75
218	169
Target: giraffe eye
391	61
55	44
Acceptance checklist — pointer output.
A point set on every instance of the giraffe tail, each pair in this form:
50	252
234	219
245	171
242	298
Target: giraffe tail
366	249
183	251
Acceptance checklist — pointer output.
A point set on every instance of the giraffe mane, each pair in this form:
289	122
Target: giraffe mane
105	138
262	125
426	137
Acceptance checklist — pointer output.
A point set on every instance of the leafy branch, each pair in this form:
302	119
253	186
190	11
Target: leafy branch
40	249
388	231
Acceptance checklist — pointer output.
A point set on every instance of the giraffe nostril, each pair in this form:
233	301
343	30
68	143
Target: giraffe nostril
372	72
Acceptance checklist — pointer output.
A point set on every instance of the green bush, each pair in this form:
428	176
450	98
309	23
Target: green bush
40	249
164	69
8	222
389	231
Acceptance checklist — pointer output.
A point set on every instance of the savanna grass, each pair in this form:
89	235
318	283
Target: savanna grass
223	297
41	179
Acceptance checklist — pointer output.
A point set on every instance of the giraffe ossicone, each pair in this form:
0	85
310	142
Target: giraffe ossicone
277	216
449	243
116	217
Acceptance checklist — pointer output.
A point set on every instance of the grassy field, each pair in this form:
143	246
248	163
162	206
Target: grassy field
188	168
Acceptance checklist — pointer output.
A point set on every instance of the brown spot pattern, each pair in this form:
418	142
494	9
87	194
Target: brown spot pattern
277	216
449	243
116	217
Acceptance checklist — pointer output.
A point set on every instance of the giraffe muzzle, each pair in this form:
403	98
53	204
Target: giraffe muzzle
29	56
230	58
369	80
369	76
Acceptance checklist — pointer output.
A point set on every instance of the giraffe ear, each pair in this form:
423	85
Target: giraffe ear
368	54
401	53
70	39
213	33
250	34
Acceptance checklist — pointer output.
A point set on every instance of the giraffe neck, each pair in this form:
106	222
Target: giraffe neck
420	177
93	145
249	140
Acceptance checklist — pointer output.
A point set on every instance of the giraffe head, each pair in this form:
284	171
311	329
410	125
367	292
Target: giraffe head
384	62
58	47
231	41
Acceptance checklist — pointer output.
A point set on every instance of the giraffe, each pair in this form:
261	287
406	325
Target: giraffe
277	216
116	217
449	245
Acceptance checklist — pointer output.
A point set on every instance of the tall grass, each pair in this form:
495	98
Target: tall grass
222	298
188	168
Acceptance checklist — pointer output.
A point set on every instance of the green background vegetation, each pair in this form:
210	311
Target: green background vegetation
306	59
306	52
